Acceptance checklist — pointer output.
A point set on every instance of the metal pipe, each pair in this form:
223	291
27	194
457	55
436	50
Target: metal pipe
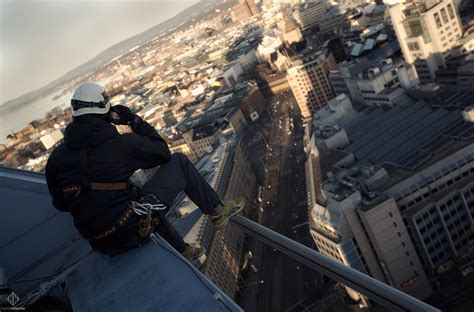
389	297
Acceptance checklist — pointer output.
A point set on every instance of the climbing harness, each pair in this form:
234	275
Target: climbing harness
146	207
86	185
142	208
147	223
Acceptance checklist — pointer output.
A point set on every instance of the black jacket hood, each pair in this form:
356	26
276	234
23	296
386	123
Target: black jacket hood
88	131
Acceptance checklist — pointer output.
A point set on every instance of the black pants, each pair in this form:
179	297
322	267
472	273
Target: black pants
178	175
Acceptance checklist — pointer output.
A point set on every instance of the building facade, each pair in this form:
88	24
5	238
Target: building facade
309	82
399	212
458	74
244	10
338	84
308	15
427	30
223	261
227	169
196	142
333	21
381	83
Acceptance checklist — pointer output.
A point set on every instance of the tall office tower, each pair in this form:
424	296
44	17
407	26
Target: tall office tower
252	6
308	15
229	172
309	82
236	180
426	30
391	191
244	10
241	12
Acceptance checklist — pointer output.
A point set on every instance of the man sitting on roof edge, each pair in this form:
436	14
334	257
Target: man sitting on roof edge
88	176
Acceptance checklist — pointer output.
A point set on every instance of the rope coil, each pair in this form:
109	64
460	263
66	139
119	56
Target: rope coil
143	209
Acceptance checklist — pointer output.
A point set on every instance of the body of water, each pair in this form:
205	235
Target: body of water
15	120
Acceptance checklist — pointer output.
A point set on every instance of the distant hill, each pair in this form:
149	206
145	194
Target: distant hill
112	52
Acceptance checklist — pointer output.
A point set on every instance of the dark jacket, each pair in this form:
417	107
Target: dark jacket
112	157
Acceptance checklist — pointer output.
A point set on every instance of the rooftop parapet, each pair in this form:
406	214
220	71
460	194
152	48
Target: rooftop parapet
37	240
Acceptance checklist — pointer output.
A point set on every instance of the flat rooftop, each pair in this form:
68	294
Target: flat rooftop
40	241
405	136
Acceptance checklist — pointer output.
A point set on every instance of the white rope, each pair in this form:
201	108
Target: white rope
142	209
45	287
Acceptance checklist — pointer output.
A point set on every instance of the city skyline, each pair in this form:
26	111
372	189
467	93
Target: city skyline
347	127
32	57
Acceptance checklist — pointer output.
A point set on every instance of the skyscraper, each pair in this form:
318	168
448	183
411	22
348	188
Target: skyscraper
252	6
426	30
309	82
244	10
390	191
308	15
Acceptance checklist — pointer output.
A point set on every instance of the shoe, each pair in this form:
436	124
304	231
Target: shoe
229	209
193	252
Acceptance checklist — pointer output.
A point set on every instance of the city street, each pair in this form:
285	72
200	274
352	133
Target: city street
283	209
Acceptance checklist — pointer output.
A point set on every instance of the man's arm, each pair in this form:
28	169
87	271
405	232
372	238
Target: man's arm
148	149
151	150
54	188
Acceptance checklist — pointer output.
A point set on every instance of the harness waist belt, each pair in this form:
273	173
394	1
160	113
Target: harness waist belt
118	186
146	224
96	186
116	226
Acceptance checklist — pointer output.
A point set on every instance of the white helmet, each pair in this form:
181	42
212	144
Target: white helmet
89	98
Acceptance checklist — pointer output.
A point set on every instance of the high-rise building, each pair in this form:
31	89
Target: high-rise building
309	14
391	192
241	12
252	6
229	172
426	30
244	10
333	21
309	82
223	260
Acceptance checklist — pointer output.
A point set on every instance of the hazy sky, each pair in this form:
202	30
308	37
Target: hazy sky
42	40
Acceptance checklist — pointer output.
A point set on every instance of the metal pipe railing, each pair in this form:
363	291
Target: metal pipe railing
389	297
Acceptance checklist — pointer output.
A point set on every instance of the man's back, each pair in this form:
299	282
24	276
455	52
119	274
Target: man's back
111	158
88	176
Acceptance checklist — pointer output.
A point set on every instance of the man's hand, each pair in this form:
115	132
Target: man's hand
126	116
